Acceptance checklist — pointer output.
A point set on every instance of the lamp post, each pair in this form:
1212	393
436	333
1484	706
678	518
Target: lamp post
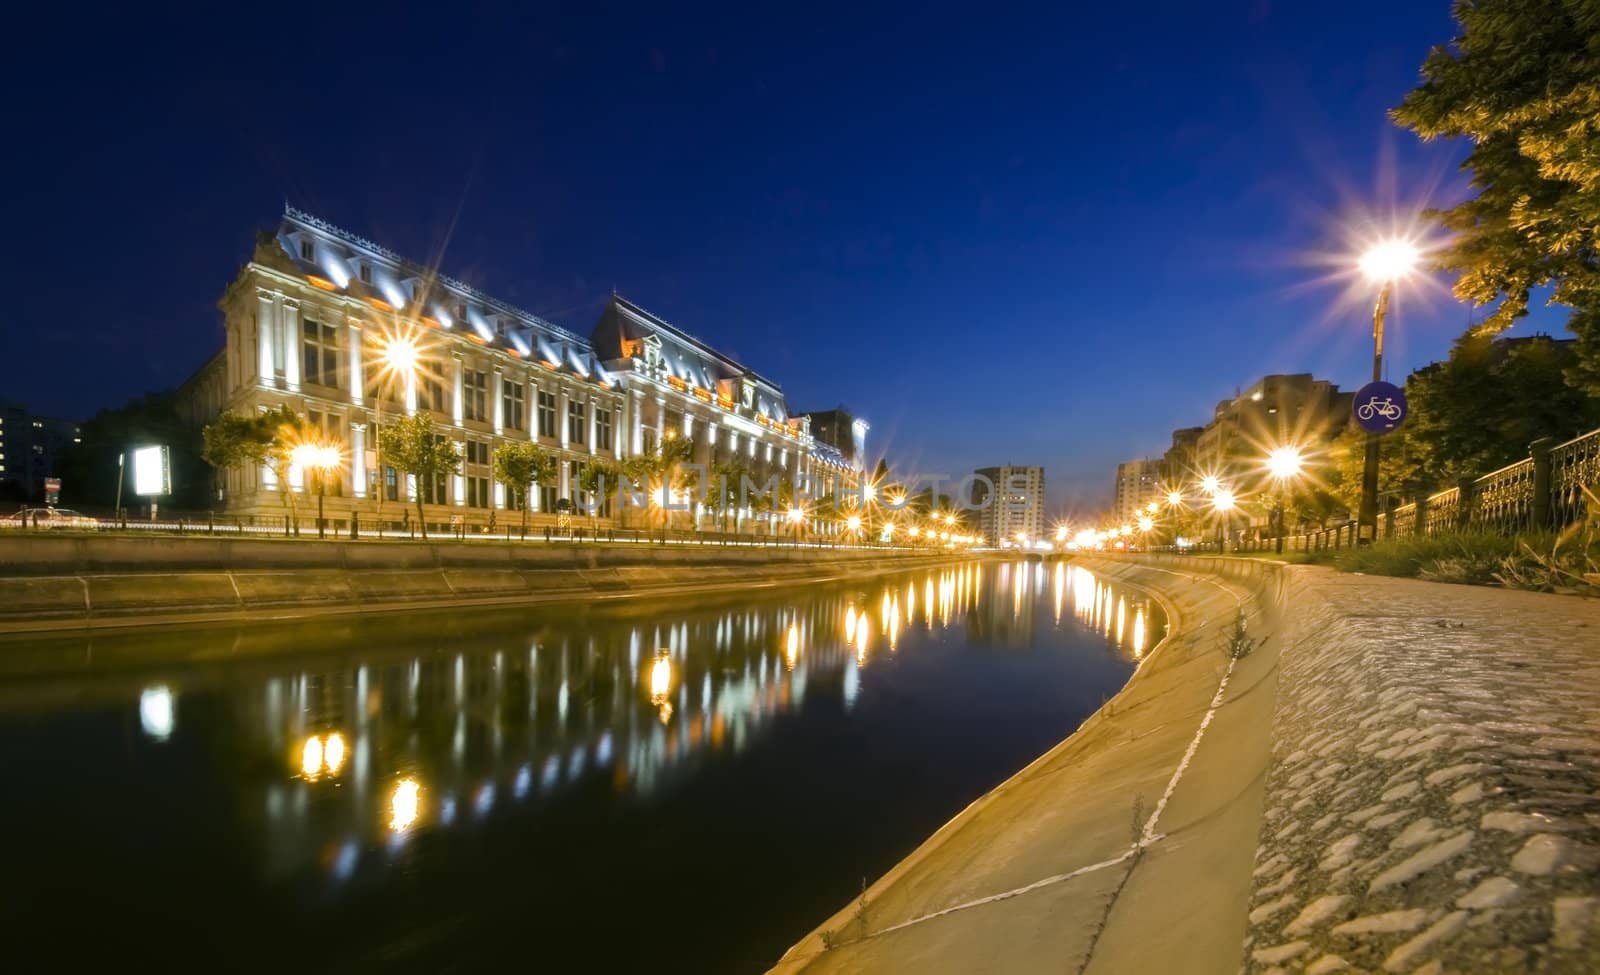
319	459
400	358
1222	502
1384	264
1284	464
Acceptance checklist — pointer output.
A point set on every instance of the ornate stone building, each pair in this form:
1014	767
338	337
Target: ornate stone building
330	325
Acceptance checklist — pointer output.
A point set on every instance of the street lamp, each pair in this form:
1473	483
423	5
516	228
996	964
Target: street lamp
1284	464
320	459
1210	485
1222	502
399	356
1383	264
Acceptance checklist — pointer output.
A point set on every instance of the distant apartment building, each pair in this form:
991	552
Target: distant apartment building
1178	464
31	448
1138	481
1016	506
1293	409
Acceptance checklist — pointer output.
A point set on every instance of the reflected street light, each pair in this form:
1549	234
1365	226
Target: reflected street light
1383	264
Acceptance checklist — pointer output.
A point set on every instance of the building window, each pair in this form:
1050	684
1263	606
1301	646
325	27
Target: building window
602	429
308	250
435	489
474	394
513	404
547	497
478	452
366	273
320	354
477	491
574	422
431	394
547	413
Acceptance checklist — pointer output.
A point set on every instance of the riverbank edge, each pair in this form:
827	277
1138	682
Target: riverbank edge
1218	810
55	585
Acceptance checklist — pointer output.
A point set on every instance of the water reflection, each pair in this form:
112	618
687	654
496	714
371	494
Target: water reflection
345	762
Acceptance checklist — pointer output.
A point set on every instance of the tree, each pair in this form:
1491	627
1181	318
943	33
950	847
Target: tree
410	446
597	478
722	494
234	441
1473	413
1522	81
660	471
520	466
284	430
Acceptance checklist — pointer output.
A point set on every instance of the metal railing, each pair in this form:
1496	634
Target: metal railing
579	531
1542	492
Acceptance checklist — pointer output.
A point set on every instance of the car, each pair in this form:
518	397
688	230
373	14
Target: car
31	518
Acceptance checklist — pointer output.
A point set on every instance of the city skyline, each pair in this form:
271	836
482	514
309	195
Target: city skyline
628	163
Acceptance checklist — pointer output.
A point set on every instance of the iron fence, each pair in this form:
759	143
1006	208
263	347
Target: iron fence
1542	492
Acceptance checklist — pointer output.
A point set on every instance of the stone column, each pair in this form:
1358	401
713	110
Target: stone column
588	420
266	340
498	407
532	393
636	423
358	376
661	421
456	404
1539	511
458	482
291	344
358	459
562	426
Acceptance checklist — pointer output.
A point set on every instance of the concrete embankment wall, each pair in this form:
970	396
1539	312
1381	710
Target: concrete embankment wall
65	582
1127	847
1399	777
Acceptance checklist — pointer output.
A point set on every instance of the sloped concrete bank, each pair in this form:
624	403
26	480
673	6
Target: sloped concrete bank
65	583
1399	776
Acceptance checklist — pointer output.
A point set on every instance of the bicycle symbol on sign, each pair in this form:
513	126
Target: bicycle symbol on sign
1386	408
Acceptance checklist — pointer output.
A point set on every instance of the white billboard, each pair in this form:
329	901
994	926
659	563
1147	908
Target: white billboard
152	474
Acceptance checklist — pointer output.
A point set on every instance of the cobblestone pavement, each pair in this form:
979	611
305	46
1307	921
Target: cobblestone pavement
1433	797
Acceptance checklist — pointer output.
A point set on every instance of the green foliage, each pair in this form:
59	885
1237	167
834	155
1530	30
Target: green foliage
661	468
1522	81
1473	413
598	479
233	441
518	465
410	445
1411	555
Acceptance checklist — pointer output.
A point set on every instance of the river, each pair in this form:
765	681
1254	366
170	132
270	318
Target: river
661	785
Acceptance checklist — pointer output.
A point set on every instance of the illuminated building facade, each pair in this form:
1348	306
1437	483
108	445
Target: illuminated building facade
314	319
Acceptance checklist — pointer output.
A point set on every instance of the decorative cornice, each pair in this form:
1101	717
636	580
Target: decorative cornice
319	224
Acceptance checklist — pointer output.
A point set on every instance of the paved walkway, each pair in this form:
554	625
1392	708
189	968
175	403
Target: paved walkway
1403	777
1434	797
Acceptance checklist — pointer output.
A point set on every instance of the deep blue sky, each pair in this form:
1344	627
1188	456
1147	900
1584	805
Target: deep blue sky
1002	235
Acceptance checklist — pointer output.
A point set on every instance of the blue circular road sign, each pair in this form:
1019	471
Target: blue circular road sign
1380	407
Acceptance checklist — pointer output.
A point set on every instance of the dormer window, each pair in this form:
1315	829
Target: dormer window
308	250
366	273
